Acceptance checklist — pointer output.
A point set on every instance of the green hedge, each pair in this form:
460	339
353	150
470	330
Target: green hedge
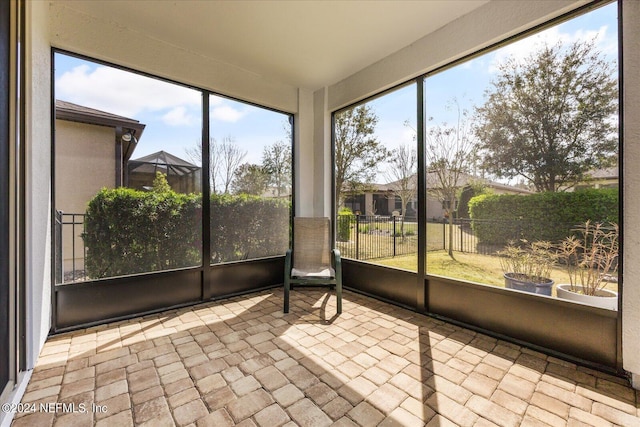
244	227
542	216
130	231
345	219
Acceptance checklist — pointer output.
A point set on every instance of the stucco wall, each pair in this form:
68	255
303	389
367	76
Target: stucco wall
322	167
84	163
38	177
303	155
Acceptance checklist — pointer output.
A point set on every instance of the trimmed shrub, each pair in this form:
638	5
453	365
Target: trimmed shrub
345	219
129	231
498	219
244	227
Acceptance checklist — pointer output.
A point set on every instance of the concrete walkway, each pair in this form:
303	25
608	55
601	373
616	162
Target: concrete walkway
243	362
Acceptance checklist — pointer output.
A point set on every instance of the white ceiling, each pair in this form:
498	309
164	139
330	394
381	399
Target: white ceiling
306	44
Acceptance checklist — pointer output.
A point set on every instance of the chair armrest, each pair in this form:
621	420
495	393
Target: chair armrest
335	258
338	268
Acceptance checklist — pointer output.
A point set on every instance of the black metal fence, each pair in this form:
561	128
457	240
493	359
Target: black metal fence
465	239
70	251
376	236
370	237
362	237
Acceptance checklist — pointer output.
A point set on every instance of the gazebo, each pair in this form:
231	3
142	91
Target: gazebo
182	176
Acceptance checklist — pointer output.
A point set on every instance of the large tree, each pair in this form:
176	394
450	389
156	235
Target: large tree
357	151
250	179
276	162
550	117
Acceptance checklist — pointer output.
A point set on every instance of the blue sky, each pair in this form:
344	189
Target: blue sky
171	113
173	118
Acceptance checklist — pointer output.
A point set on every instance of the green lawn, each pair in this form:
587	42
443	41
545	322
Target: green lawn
477	268
375	243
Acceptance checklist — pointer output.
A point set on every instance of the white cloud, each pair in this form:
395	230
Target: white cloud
522	49
122	92
216	100
178	116
226	113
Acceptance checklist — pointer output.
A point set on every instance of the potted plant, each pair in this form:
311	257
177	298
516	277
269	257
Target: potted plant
591	258
527	267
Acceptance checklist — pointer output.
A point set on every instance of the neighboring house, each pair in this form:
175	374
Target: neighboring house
599	178
92	151
271	192
379	199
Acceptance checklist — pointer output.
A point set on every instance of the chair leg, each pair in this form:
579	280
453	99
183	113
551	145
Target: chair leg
287	287
339	294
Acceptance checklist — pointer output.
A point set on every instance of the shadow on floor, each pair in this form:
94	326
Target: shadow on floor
243	362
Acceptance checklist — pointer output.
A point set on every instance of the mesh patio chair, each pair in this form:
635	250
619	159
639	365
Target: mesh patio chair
312	262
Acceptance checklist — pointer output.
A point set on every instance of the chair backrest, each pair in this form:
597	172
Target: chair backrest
311	244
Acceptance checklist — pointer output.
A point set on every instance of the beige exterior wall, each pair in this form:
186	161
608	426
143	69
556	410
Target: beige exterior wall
434	208
84	163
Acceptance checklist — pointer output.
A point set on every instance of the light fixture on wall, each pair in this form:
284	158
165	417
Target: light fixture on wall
130	141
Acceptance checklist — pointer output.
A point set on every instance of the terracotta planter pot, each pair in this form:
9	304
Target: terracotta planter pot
603	299
512	282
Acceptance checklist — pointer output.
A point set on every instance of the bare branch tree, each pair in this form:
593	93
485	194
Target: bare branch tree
276	162
450	155
401	176
230	156
224	159
195	156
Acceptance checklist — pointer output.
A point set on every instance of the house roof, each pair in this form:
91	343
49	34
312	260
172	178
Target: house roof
605	173
78	113
163	161
464	180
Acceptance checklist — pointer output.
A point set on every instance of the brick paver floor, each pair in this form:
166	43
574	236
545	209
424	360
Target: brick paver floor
243	362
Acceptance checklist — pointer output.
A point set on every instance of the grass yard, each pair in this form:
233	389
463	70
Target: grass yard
374	242
477	268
